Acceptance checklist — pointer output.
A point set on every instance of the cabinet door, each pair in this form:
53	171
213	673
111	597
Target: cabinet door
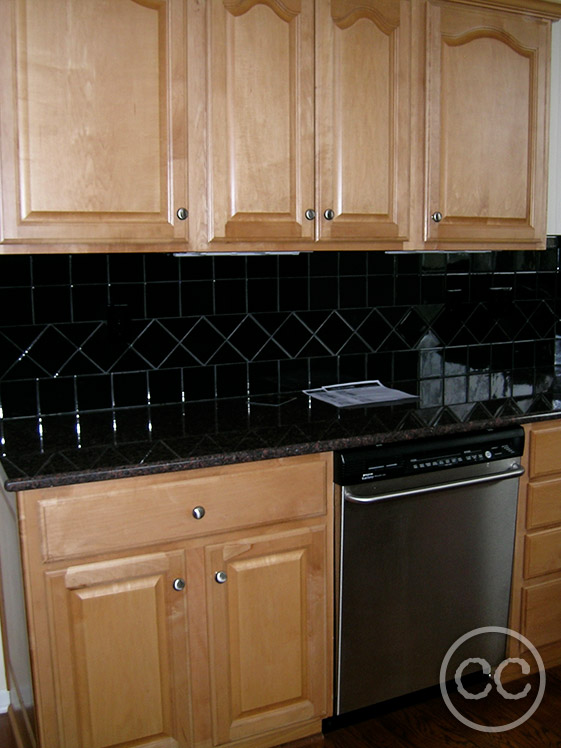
119	652
364	119
261	149
268	632
93	120
487	74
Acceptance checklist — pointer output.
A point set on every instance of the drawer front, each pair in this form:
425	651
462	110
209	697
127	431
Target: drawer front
545	452
544	504
131	512
542	553
542	613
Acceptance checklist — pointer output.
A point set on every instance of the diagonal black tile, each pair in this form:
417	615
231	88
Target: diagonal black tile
155	343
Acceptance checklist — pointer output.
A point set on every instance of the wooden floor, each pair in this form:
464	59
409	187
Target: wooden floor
429	724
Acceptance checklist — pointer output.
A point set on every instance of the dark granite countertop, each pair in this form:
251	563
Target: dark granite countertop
61	450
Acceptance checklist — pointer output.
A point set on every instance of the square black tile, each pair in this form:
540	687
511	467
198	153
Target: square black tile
15	270
94	392
50	270
166	386
18	399
130	389
56	396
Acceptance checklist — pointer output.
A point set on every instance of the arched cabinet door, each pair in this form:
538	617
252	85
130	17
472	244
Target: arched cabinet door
88	92
364	119
486	133
261	149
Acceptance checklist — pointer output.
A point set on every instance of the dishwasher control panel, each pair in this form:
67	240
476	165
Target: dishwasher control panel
383	461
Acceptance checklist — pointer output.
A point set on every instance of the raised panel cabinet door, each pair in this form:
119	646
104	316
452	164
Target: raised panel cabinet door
364	119
93	114
261	142
119	649
486	126
268	618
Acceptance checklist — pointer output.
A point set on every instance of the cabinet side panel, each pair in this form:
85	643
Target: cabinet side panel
14	618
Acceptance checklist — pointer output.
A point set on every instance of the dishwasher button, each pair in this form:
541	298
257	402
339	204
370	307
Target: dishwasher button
488	454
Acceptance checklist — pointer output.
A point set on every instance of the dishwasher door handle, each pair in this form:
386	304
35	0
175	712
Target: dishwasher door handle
515	471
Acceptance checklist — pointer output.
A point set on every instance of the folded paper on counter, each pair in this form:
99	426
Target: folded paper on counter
357	394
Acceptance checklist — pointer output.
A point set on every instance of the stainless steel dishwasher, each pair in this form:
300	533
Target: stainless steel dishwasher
425	549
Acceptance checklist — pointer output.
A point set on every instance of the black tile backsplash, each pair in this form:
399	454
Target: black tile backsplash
83	333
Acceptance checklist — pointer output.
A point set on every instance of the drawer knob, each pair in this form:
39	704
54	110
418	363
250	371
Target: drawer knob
178	584
437	217
221	577
182	214
199	512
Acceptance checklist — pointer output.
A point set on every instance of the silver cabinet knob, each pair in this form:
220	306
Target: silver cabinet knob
310	214
437	217
329	214
182	214
199	512
178	584
221	577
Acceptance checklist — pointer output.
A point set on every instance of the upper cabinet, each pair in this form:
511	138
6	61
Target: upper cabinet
486	144
363	125
260	120
90	94
308	133
554	194
250	125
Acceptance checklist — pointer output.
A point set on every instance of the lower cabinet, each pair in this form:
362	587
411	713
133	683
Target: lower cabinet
267	618
536	593
119	648
216	629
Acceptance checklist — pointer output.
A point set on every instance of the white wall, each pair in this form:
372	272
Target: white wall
4	696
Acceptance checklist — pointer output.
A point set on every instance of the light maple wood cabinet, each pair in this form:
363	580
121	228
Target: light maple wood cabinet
308	122
269	125
536	593
486	127
185	609
94	131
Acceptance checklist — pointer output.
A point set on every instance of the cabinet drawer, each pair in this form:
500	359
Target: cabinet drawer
545	452
542	616
131	512
542	553
544	504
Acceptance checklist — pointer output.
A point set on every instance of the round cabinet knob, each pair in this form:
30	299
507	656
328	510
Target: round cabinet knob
178	584
329	214
182	214
221	577
310	214
437	217
199	512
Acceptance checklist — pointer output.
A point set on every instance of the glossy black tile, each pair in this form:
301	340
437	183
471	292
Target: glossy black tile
177	326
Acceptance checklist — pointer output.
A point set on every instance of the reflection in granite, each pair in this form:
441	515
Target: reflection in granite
60	450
